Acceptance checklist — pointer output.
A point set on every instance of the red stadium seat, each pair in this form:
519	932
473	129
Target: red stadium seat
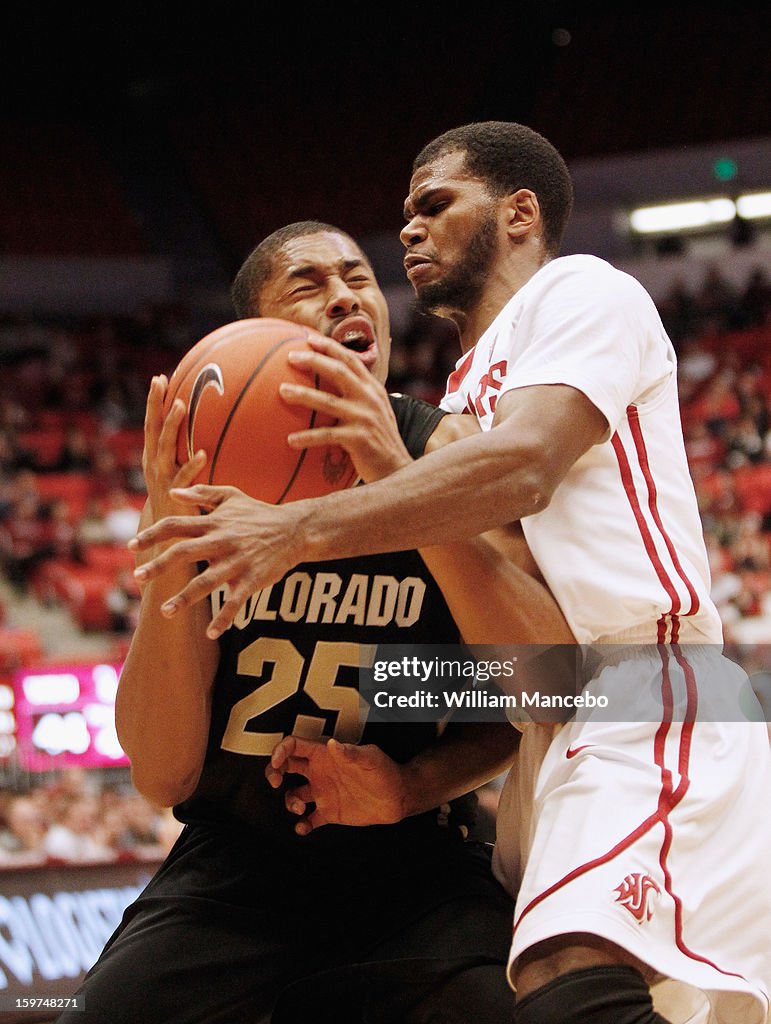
753	487
124	443
75	488
109	558
45	444
80	588
19	647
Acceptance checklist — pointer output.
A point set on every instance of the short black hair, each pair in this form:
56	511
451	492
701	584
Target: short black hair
258	265
509	156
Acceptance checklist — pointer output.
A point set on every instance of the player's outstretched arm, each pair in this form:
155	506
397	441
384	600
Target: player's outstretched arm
454	493
361	785
162	705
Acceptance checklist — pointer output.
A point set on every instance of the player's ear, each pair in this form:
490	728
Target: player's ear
523	214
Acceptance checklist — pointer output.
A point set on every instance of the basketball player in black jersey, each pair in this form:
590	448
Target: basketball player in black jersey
249	918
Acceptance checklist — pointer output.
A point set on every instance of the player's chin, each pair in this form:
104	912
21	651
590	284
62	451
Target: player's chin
369	357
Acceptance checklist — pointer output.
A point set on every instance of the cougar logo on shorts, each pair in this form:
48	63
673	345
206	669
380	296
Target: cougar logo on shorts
639	894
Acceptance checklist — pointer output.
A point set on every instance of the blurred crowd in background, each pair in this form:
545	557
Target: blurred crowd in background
81	816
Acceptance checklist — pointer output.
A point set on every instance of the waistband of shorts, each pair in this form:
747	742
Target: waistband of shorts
647	633
596	657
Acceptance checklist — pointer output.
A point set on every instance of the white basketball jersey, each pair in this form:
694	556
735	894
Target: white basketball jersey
620	545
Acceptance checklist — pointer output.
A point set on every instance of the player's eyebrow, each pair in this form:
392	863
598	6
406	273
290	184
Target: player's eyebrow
316	270
419	201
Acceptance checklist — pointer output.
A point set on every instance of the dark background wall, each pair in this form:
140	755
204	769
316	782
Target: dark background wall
221	122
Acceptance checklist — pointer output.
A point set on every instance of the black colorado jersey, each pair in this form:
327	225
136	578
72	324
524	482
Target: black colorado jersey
289	664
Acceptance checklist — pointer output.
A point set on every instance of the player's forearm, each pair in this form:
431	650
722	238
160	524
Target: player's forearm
465	757
451	494
162	709
491	587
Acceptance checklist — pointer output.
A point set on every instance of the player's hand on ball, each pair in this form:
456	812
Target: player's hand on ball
247	545
161	470
349	784
366	426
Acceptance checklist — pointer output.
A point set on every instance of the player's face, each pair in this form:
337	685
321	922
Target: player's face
451	236
324	281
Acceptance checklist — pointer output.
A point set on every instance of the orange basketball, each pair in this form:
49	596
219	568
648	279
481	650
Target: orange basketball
229	382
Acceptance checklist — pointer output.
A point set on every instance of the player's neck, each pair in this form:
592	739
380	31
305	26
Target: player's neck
505	280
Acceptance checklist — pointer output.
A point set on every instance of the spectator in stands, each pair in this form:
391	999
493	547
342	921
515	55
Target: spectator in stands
134	474
718	404
142	827
77	834
756	299
678	311
121	516
123	601
749	549
424	365
753	397
13	415
75	398
112	409
719	504
744	443
76	455
13	455
24	543
702	447
23	833
107	473
60	531
92	527
695	365
717	302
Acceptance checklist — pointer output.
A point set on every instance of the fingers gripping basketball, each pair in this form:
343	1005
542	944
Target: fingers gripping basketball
229	382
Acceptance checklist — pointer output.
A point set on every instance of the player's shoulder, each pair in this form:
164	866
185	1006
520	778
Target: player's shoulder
590	279
416	420
588	269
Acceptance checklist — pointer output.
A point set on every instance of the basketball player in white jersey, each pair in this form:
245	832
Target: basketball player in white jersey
645	870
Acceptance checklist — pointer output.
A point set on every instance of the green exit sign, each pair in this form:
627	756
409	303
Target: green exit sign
725	169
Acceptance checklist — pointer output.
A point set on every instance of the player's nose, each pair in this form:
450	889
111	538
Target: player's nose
412	233
341	300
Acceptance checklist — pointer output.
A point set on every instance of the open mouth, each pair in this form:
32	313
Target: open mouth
355	333
355	341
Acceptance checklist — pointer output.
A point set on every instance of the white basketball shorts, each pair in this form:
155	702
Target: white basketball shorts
654	834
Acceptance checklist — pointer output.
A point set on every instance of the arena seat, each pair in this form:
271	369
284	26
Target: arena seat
124	443
81	588
45	444
109	558
75	488
753	487
19	647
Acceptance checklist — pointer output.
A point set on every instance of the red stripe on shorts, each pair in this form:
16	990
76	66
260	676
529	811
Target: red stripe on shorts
671	799
644	827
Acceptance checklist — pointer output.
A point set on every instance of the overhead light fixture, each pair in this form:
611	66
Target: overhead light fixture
754	205
682	216
691	215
